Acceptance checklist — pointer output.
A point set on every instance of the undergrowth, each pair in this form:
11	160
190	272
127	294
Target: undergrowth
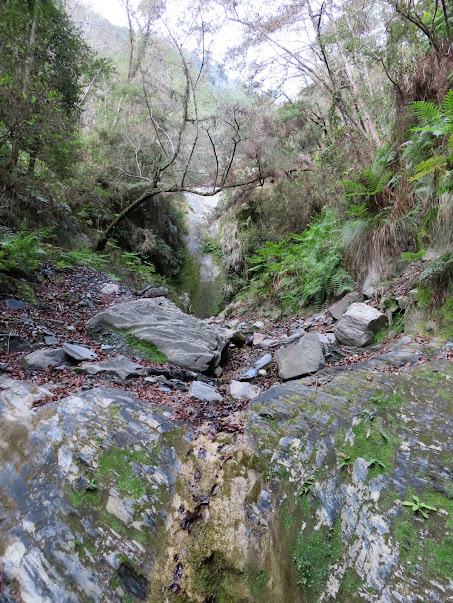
302	269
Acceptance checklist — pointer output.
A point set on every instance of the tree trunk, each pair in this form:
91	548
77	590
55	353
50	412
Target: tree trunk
102	241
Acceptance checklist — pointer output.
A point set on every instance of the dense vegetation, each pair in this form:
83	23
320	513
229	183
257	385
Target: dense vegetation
333	149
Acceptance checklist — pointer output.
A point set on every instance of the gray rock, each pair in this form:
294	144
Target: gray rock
371	282
120	366
254	370
400	357
303	358
15	304
359	324
78	352
42	359
340	307
152	291
241	391
110	289
204	391
290	339
185	340
51	340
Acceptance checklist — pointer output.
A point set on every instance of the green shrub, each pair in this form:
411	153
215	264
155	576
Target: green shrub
302	269
21	252
83	257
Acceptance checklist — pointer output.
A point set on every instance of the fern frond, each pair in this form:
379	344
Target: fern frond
447	105
426	111
429	166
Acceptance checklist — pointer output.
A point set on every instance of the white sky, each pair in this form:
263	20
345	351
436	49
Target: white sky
228	36
110	9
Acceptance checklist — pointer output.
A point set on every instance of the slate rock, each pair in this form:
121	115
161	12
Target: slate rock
120	366
242	391
340	307
359	324
204	391
16	304
299	359
42	359
185	340
78	352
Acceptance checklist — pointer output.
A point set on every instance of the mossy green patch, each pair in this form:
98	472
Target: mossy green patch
146	350
350	584
374	443
117	462
409	542
92	498
313	556
441	558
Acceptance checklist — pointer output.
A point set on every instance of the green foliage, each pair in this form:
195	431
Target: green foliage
43	60
21	252
417	506
308	486
368	184
302	269
407	256
210	246
436	127
439	272
85	258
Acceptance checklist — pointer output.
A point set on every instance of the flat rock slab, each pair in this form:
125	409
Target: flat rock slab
78	352
303	358
42	359
204	391
185	340
120	366
359	324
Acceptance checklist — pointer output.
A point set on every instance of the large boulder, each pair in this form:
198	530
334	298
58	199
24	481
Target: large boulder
183	339
359	324
341	461
302	358
340	307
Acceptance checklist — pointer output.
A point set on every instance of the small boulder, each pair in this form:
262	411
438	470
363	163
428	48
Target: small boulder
42	359
110	289
340	307
78	352
204	391
359	324
243	391
120	366
300	359
16	304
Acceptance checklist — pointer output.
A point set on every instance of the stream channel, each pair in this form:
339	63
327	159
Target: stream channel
203	276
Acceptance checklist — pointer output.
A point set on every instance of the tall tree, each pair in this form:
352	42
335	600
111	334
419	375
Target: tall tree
42	63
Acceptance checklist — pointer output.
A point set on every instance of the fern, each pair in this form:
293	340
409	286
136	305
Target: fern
302	269
426	112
